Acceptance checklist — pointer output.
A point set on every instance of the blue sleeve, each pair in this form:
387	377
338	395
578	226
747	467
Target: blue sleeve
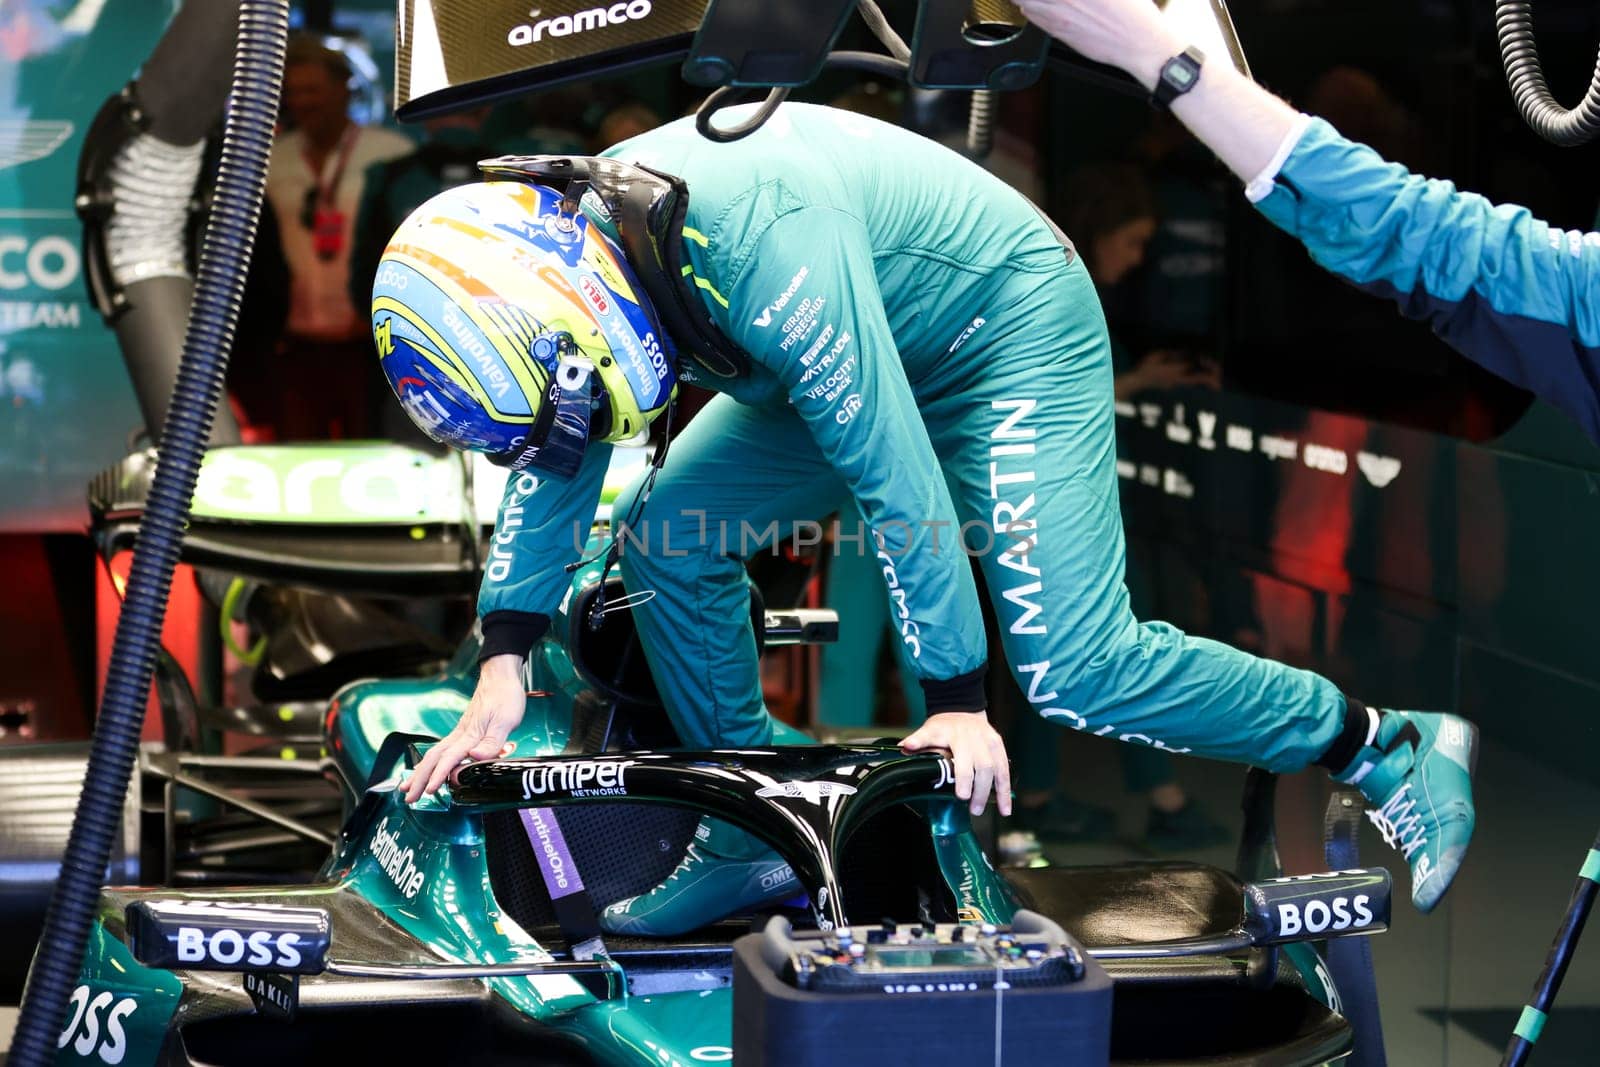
806	305
1501	287
543	525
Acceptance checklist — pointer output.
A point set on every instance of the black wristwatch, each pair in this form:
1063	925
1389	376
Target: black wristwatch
1178	76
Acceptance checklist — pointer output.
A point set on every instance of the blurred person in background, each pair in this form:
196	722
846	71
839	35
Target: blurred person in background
314	182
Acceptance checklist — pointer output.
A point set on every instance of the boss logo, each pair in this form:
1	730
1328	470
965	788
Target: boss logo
1321	916
1331	904
258	948
96	1025
233	935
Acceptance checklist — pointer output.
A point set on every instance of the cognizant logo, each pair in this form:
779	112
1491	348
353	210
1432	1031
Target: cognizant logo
567	25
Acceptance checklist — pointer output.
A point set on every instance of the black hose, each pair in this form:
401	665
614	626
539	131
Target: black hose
1540	110
724	97
225	255
1531	1024
895	65
871	62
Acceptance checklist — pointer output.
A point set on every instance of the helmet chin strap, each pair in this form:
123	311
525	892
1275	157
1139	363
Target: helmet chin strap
559	436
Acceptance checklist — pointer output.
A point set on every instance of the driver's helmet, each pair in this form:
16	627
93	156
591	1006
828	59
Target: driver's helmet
510	326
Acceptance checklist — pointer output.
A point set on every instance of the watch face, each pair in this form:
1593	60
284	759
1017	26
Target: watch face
1183	76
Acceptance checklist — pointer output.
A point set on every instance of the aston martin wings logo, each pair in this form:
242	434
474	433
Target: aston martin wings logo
814	792
26	140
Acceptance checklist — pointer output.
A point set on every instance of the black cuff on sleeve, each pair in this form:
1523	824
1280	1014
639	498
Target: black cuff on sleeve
962	693
511	631
1352	737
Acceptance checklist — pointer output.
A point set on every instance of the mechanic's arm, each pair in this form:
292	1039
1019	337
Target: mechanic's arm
831	346
1497	284
1233	116
543	526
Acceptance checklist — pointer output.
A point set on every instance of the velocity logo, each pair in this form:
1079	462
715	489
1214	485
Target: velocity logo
765	318
581	22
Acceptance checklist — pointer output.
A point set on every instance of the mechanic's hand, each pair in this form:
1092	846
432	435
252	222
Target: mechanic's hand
1130	34
496	708
976	750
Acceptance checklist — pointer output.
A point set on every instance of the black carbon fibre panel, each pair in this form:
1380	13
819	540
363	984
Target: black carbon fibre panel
447	49
624	849
620	850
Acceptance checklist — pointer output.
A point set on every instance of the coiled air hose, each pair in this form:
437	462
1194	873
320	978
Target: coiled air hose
225	255
1524	73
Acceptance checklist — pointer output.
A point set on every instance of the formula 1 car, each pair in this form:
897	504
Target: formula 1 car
457	925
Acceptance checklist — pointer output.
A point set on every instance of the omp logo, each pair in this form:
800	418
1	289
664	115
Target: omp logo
579	22
229	947
594	294
581	778
765	318
93	1029
1380	470
814	792
1320	916
399	863
776	877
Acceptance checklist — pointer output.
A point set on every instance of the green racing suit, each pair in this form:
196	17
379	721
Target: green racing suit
921	339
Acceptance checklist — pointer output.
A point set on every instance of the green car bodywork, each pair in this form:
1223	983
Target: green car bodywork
414	880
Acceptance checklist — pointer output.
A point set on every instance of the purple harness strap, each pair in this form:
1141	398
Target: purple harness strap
574	910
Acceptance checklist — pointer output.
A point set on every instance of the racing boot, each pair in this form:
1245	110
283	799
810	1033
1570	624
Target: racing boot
724	872
1417	767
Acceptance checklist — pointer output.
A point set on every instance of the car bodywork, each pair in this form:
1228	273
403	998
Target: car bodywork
443	933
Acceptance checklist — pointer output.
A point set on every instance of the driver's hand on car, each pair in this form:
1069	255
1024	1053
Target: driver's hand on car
976	750
496	708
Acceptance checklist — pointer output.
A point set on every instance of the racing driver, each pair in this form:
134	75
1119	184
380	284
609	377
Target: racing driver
879	316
